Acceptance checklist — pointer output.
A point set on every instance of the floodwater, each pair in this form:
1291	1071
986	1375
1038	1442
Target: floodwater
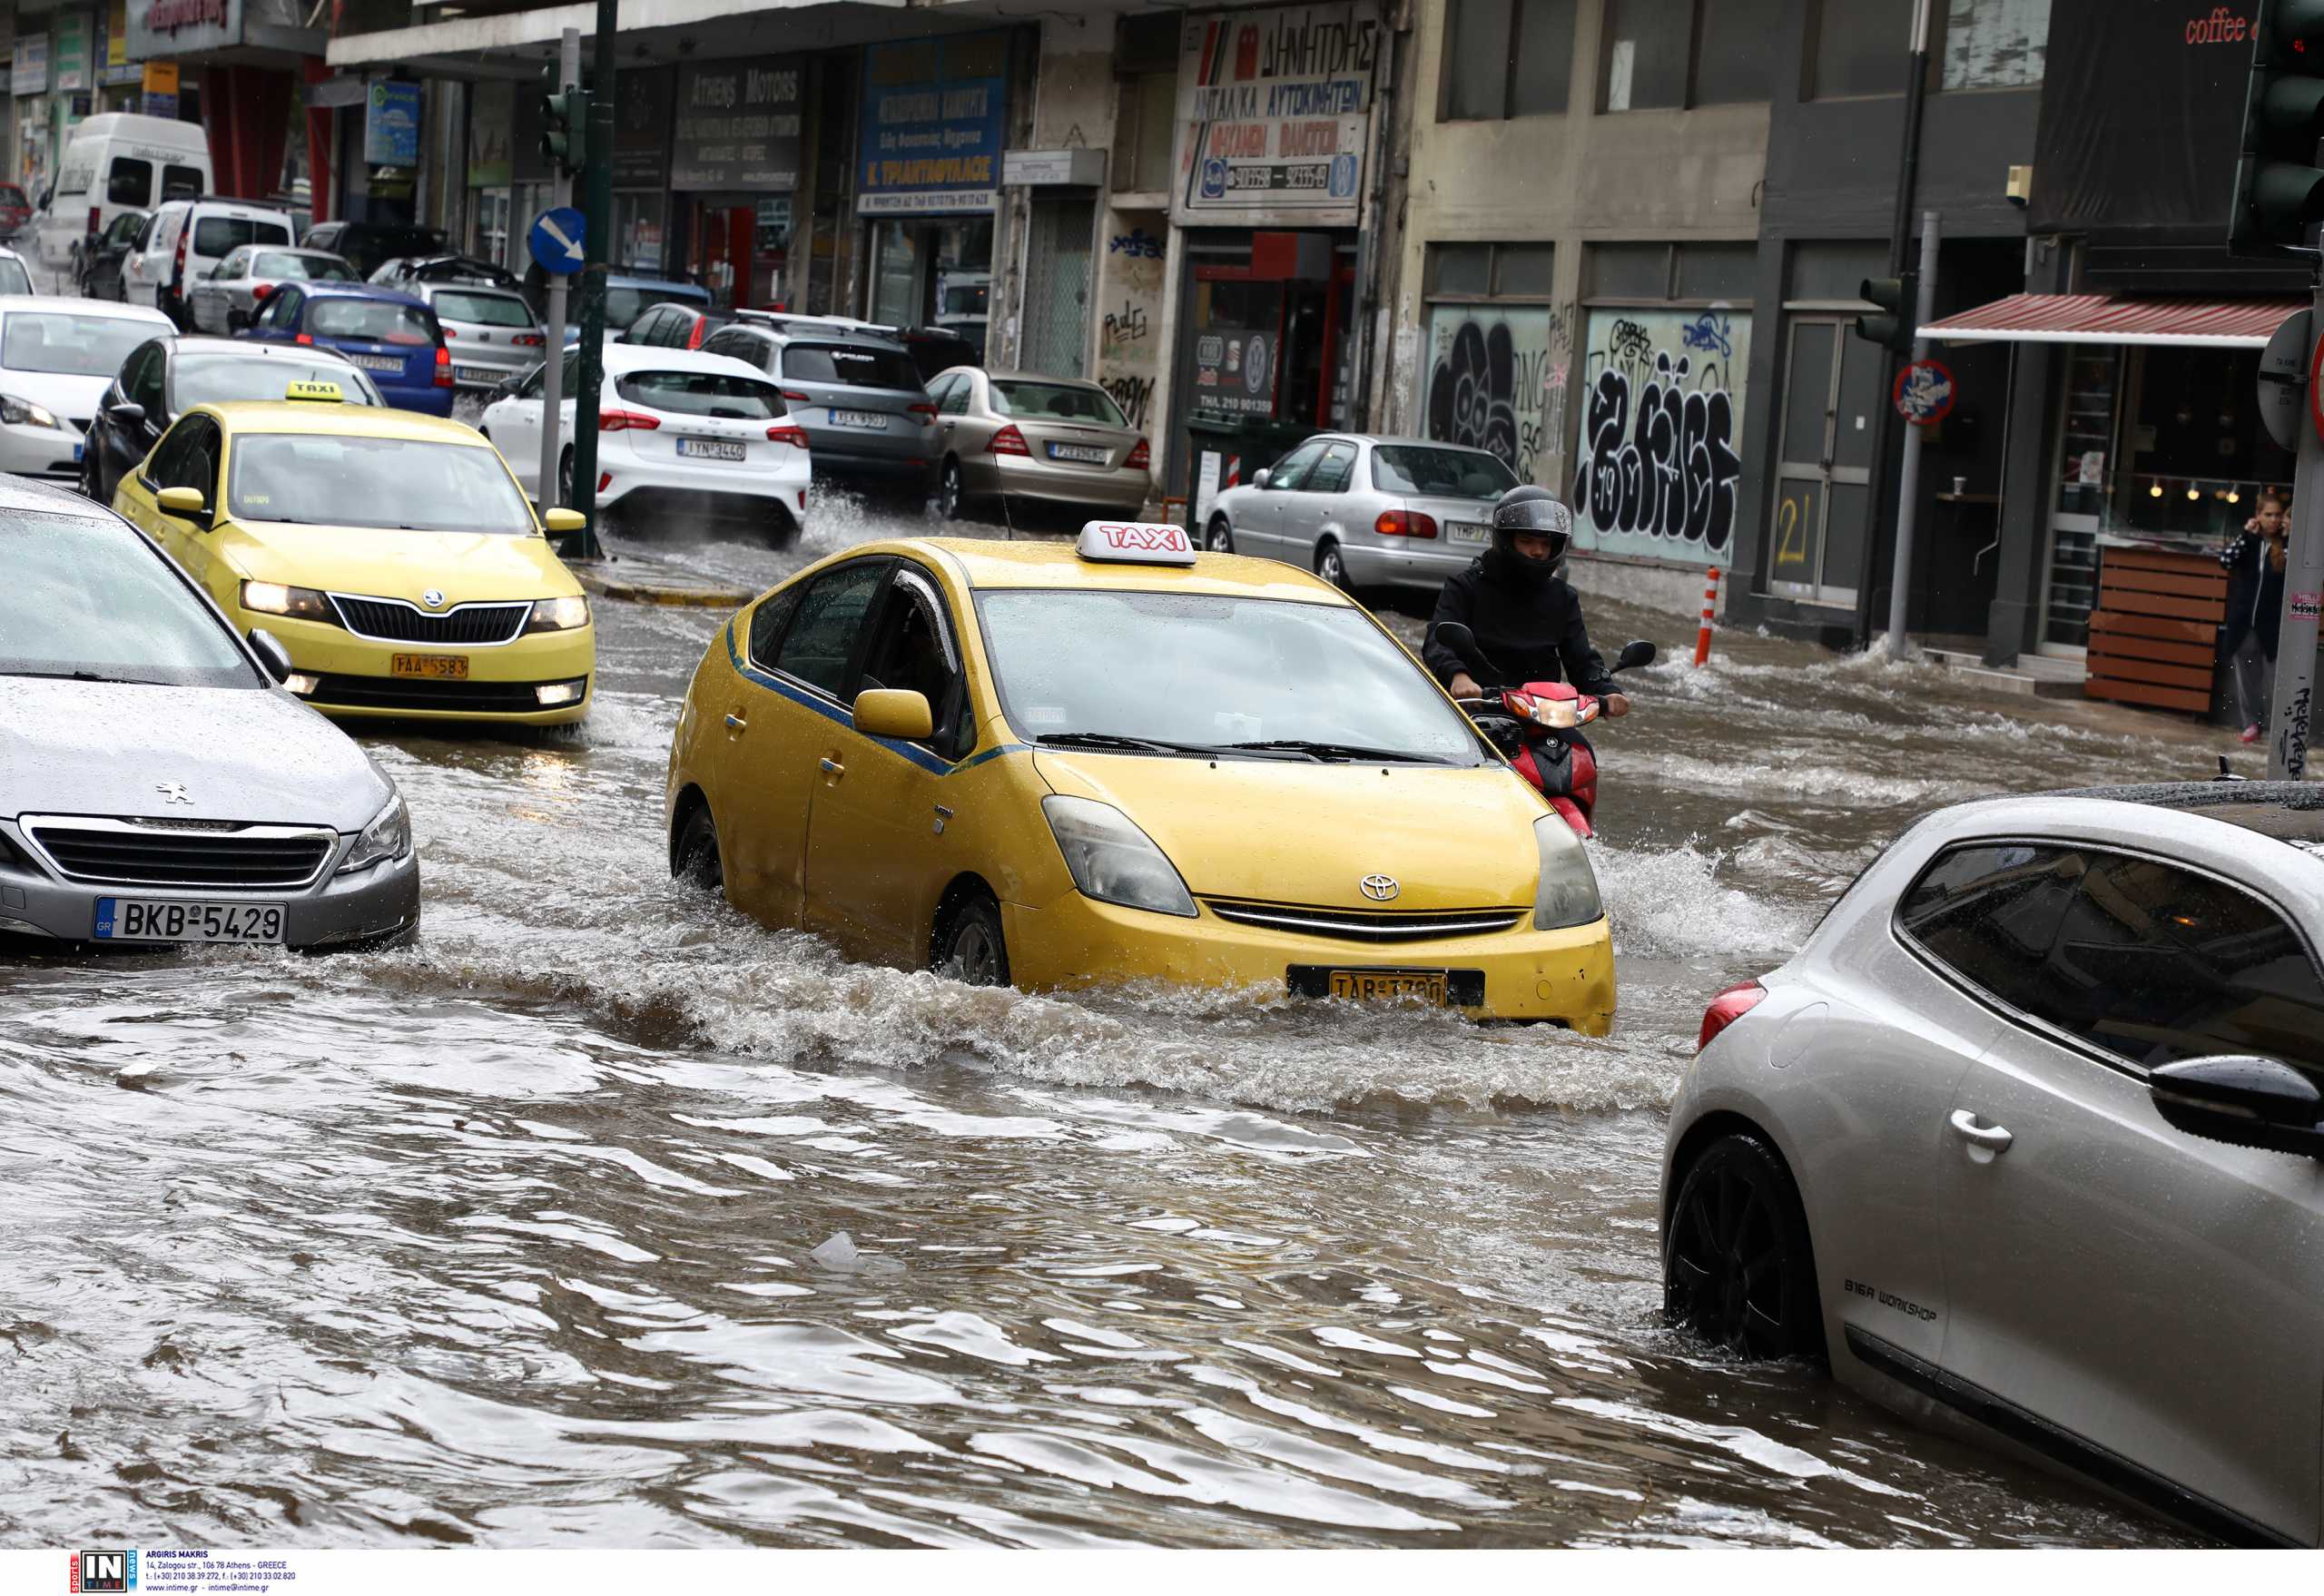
600	1217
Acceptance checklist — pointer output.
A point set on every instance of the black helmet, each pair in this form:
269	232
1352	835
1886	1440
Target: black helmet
1539	513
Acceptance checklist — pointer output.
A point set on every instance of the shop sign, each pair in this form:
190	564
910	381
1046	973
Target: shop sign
1496	381
1661	415
933	113
182	27
1235	373
1275	108
158	82
117	37
1082	168
737	127
71	69
391	125
642	127
28	66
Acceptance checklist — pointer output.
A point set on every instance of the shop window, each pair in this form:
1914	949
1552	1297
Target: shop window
1995	43
1460	268
1734	51
1664	54
1505	58
1629	271
1860	47
1713	271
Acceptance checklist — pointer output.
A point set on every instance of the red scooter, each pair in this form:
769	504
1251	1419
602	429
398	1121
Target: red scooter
1538	725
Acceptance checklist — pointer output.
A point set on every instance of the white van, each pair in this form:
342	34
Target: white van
114	163
183	240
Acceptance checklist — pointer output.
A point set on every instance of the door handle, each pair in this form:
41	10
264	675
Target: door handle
736	723
831	767
1988	1139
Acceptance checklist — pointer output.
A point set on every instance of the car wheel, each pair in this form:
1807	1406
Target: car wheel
1331	567
782	528
92	480
971	949
694	858
1738	1268
1219	537
565	481
952	497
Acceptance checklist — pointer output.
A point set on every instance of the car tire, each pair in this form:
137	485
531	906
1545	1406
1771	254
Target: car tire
564	479
693	856
1331	566
971	947
782	528
91	482
1738	1268
1219	537
952	493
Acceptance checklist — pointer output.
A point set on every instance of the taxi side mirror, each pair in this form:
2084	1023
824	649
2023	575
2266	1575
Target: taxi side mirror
186	504
563	522
894	711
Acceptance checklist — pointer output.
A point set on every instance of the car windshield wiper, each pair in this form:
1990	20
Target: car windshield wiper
1110	742
1329	751
89	676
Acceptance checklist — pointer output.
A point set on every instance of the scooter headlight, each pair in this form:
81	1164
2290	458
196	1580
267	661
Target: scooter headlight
1111	860
1567	893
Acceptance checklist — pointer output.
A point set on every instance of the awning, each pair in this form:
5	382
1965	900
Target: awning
2216	324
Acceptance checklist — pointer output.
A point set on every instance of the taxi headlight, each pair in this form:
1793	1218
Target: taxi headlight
1568	894
18	412
1111	860
272	598
387	836
558	615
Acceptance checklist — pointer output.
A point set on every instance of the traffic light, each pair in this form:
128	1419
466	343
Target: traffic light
565	129
1897	296
2279	188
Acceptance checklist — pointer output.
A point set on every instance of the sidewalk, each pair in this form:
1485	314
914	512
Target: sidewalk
643	580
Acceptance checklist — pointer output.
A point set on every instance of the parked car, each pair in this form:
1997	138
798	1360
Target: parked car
58	356
409	272
627	298
675	325
934	350
2026	1137
167	376
491	331
682	433
95	267
15	274
233	814
183	241
392	336
15	210
858	398
1045	439
234	287
1363	511
113	162
368	245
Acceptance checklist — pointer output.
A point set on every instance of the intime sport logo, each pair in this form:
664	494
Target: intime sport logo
104	1572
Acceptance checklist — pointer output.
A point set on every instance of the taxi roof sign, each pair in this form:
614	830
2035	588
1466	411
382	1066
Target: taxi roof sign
326	392
1136	543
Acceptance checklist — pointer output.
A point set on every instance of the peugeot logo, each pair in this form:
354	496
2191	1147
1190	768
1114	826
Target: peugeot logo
433	598
1379	887
174	792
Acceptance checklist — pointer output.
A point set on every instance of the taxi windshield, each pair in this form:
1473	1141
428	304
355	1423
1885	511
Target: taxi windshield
1197	673
398	484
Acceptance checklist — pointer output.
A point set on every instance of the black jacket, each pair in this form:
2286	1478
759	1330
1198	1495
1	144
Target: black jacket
2255	594
1532	636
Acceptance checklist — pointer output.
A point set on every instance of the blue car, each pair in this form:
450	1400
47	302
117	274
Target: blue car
393	337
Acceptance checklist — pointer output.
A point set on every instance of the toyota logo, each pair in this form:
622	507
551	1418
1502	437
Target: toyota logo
1379	887
433	598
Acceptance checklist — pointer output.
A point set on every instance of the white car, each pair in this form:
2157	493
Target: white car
15	273
118	161
57	356
680	433
2025	1140
183	241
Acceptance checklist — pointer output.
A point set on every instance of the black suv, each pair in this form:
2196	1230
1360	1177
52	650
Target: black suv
368	245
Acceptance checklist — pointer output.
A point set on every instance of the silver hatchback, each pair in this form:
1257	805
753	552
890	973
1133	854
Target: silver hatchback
157	785
1362	511
491	332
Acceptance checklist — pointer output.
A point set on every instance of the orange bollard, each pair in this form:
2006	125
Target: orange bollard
1710	602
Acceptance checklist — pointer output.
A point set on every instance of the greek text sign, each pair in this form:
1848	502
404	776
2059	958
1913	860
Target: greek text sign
737	127
933	125
1274	111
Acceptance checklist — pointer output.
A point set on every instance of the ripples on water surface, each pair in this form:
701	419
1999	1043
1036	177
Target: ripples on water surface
599	1217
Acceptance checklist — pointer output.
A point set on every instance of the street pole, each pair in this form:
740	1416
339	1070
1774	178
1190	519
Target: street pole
1908	473
597	216
2303	581
568	75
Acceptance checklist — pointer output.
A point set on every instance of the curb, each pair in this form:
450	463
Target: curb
647	591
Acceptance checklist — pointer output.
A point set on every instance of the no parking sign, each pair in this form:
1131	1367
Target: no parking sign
1923	392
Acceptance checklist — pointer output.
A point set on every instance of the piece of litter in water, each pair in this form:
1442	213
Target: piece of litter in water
838	1253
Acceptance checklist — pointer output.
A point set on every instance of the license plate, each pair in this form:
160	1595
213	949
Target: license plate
1467	532
862	420
441	666
378	362
710	449
77	449
1087	453
148	920
461	373
1389	986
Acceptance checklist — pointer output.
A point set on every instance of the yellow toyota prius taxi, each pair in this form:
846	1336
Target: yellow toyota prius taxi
1057	765
392	554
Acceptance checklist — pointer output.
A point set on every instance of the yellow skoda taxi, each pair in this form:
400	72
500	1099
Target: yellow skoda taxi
392	554
1060	765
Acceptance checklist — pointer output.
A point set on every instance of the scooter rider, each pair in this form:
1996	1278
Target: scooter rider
1527	620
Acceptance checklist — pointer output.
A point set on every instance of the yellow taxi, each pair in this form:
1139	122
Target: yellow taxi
392	554
1060	764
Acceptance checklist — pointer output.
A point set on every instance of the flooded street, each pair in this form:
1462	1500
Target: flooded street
600	1217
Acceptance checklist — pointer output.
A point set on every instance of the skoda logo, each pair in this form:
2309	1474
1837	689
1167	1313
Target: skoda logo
1379	887
433	598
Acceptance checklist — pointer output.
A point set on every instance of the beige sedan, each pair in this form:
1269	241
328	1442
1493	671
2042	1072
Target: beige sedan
1047	439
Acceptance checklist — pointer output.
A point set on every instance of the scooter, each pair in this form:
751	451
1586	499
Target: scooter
1538	725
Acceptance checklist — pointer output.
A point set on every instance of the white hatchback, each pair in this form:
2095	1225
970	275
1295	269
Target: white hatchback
2026	1139
681	436
57	356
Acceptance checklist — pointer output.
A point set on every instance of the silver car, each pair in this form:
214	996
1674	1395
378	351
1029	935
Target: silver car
867	415
156	783
1045	439
492	332
1365	512
226	300
2025	1140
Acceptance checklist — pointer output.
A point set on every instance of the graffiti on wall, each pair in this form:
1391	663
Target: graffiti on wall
1657	469
1131	314
1496	381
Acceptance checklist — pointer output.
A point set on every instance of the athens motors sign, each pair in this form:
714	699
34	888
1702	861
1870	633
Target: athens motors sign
179	28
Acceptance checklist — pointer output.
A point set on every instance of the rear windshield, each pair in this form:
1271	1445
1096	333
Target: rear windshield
301	268
221	235
217	378
380	320
625	304
91	597
409	485
489	310
128	181
1446	473
184	182
1056	402
702	393
14	276
850	366
67	344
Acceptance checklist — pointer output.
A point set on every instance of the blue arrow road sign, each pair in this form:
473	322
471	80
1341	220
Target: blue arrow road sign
556	241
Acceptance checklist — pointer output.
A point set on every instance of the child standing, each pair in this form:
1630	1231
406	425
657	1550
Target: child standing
2255	606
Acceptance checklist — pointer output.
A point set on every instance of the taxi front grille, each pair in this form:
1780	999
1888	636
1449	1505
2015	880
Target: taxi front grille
415	693
393	620
1365	925
148	853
